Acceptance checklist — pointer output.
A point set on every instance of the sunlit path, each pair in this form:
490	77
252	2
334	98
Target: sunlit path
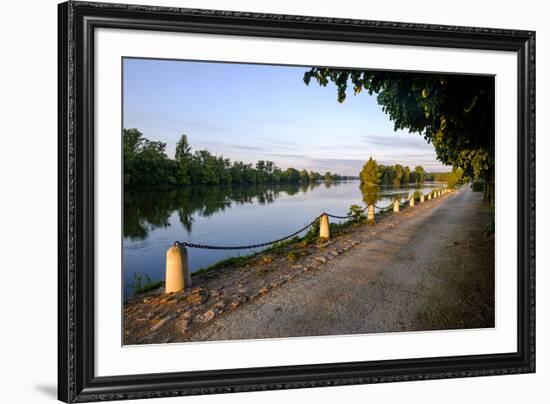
433	271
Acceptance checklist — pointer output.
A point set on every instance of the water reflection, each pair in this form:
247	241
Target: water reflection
146	209
231	215
371	193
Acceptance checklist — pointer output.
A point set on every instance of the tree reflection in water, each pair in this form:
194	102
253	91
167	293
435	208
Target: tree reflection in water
149	209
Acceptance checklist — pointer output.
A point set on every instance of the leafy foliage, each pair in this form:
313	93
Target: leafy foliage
144	283
145	161
454	112
477	186
455	177
373	173
357	214
370	174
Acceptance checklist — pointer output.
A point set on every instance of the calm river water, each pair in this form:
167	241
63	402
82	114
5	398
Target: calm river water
153	220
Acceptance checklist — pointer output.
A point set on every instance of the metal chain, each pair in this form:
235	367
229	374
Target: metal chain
337	217
344	217
265	244
381	208
245	247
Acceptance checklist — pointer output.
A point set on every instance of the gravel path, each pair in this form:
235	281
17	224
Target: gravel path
433	271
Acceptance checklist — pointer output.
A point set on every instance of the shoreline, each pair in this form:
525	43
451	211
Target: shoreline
133	284
155	317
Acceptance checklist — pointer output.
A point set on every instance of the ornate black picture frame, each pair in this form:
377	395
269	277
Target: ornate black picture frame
77	24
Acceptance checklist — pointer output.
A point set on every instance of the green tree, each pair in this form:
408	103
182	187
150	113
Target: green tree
387	175
398	175
314	176
132	141
454	177
304	177
405	180
456	113
146	164
292	175
262	175
419	177
370	174
183	158
145	161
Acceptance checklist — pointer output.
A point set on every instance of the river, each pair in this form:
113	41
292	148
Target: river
231	215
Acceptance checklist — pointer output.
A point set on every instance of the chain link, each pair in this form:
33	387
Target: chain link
381	208
245	247
338	217
267	243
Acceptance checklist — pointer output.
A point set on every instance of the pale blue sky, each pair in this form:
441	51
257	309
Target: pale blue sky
258	112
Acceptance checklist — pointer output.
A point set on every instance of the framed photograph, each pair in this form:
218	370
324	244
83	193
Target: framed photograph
257	201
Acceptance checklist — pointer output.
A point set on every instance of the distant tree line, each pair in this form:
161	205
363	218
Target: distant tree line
397	175
146	164
452	178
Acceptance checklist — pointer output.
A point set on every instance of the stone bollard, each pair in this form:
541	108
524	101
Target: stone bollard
396	205
177	269
324	228
411	202
422	198
429	195
370	213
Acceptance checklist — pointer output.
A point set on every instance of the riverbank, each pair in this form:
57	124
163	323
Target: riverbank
208	214
228	284
155	317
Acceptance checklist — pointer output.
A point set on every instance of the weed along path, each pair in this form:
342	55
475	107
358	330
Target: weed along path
427	267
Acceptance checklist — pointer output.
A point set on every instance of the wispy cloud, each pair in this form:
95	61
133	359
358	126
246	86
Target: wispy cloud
236	147
252	113
395	141
171	123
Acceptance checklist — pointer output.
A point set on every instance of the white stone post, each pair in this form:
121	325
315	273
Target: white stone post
370	214
324	228
177	269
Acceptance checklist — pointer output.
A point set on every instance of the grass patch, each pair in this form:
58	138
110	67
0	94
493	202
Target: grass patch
294	248
235	262
242	260
142	284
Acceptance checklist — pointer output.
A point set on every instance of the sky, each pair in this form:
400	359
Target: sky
249	112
